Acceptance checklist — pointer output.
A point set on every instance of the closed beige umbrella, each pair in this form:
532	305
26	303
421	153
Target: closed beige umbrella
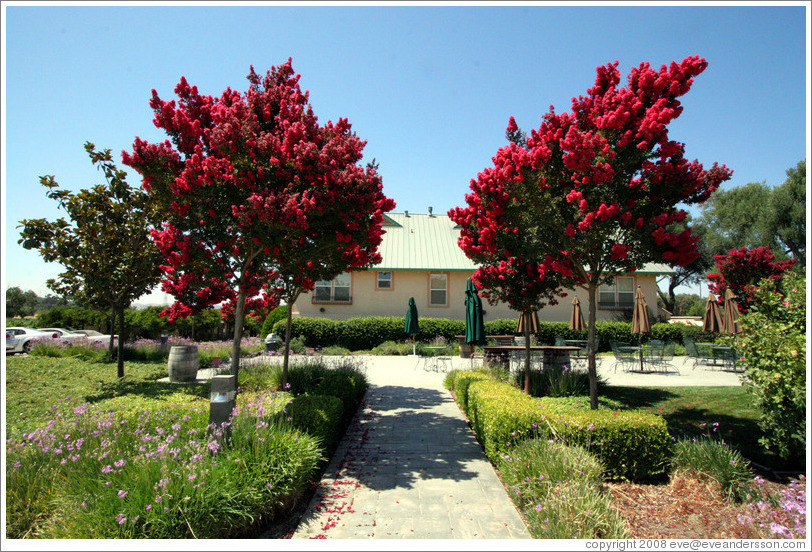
730	321
577	317
528	318
712	321
640	323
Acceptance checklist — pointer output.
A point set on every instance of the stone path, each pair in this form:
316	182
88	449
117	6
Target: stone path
409	467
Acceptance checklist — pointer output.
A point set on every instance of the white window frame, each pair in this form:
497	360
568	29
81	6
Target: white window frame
432	290
339	290
390	282
613	295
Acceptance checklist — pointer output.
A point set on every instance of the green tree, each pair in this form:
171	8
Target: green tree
106	250
773	345
737	217
20	303
787	220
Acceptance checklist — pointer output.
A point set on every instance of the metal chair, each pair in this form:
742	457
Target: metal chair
667	356
623	356
699	354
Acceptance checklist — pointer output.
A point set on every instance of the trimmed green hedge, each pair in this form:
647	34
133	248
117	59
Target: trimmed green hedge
366	333
632	444
320	416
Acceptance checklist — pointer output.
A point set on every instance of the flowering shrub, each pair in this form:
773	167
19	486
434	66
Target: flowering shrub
786	519
154	472
741	270
773	345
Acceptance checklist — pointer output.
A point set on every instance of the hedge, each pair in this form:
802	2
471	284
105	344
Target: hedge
320	416
632	444
366	333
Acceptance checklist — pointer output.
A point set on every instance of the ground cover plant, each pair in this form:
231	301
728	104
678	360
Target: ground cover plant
136	458
558	489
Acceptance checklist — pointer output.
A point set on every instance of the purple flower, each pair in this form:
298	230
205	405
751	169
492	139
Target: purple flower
122	494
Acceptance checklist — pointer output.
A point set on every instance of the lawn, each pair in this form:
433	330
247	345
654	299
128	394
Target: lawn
36	386
694	411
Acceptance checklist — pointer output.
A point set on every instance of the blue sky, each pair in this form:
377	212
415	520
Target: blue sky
430	88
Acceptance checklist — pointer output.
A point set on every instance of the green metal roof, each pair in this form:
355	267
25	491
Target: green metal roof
422	242
429	242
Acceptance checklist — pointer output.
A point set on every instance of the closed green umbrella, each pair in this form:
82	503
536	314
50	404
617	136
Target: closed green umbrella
474	324
412	326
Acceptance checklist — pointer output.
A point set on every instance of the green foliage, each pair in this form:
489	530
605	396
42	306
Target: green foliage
279	313
773	347
558	489
158	490
557	381
714	460
365	333
632	444
788	209
20	303
73	318
320	416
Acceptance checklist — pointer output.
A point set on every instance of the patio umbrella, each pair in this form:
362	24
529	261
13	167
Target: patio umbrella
712	321
474	324
640	323
730	321
412	326
531	319
577	317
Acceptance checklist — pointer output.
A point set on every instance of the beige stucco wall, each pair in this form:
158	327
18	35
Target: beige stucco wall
368	301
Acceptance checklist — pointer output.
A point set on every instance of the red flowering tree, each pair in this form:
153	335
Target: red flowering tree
500	234
606	179
250	184
740	270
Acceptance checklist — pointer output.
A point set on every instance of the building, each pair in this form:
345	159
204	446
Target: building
421	259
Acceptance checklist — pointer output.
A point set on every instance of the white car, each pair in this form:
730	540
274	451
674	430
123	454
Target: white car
63	333
20	340
93	335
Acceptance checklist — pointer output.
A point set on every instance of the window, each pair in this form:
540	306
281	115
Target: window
617	293
384	280
336	290
438	290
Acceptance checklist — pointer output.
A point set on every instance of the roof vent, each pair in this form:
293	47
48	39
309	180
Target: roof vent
430	209
406	213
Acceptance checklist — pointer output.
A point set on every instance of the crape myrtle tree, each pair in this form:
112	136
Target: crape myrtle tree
106	249
607	183
249	185
500	232
741	270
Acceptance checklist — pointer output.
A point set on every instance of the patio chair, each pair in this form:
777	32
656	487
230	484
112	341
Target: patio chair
699	354
623	356
667	357
728	356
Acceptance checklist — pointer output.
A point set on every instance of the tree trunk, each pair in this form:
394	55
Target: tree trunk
110	346
526	353
591	369
120	347
286	353
239	316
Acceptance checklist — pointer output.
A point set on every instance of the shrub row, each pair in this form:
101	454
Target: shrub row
366	333
631	444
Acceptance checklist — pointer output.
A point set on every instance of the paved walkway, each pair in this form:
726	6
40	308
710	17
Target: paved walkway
409	467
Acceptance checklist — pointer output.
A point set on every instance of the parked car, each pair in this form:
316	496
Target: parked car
20	340
93	335
63	333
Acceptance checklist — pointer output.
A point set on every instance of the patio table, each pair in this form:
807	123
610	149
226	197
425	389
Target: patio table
640	350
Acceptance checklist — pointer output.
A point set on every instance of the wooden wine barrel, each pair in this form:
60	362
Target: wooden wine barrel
184	361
